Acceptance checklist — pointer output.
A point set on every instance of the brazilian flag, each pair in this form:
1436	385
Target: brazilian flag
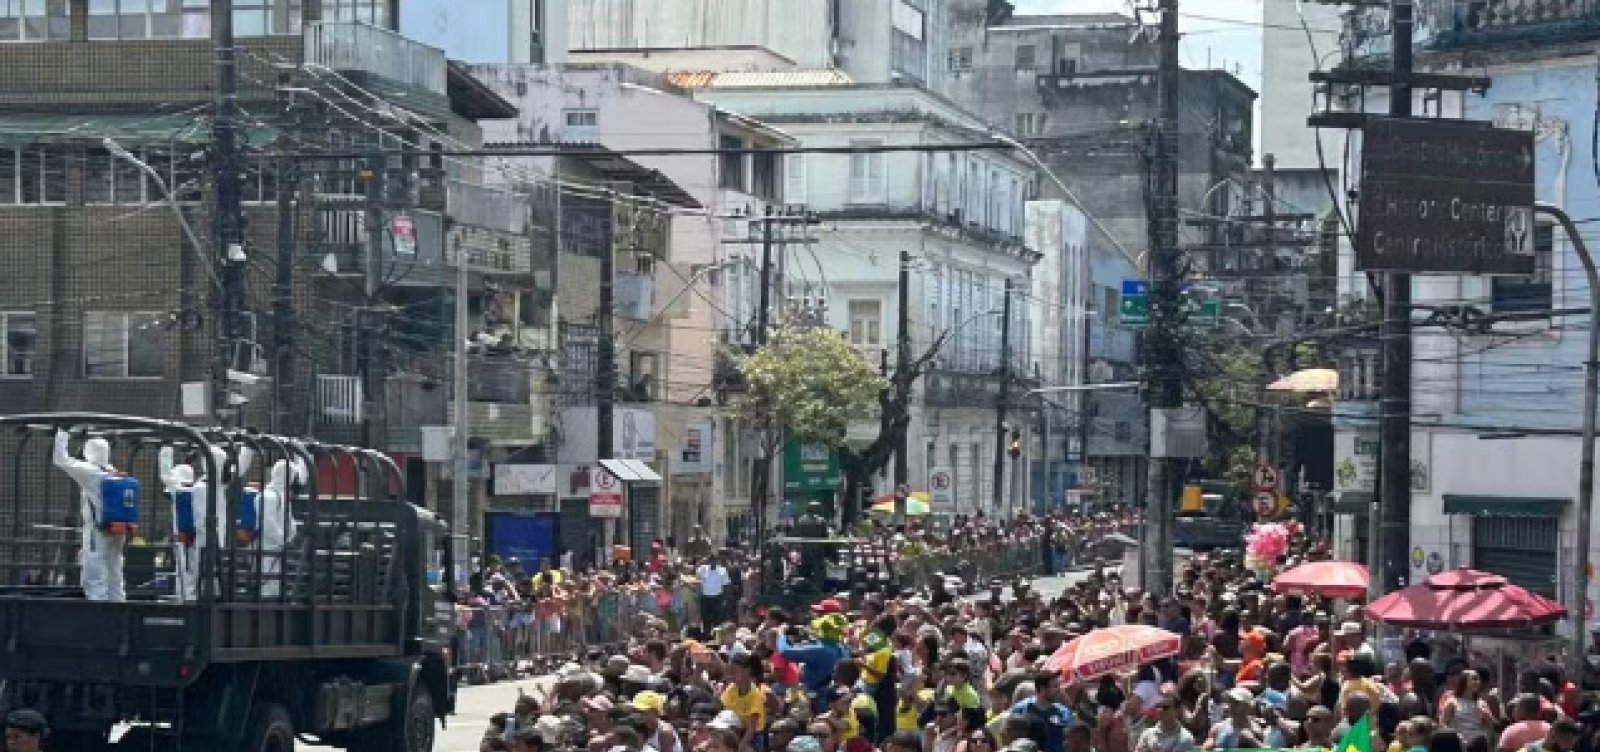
1358	738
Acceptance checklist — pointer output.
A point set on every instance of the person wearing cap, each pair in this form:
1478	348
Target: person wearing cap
1241	728
25	731
817	659
659	736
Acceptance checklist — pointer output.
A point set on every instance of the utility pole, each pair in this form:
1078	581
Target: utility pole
228	223
460	487
1395	334
285	414
1163	353
902	470
764	309
605	376
998	489
1269	214
372	372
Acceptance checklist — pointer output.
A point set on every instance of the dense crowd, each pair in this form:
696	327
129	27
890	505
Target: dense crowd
934	670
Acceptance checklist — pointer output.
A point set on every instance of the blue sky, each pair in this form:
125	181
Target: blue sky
1226	33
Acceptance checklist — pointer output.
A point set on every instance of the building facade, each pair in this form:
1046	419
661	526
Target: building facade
957	215
1494	444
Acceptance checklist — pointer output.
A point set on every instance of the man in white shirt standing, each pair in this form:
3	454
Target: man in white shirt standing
713	581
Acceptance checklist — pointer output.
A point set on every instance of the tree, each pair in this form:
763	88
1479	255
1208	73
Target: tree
807	383
894	417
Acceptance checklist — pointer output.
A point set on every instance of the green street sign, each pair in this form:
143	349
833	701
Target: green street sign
809	467
1134	310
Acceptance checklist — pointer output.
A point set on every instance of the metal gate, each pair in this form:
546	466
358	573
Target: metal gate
1521	549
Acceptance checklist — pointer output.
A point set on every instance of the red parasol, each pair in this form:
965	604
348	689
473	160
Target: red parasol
1113	649
1332	579
1464	600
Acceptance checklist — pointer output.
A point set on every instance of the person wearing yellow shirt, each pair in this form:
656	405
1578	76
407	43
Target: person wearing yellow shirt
546	575
746	698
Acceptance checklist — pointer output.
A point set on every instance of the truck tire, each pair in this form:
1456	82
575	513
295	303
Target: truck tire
271	730
412	732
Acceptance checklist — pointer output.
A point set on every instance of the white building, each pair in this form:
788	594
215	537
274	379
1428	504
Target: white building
958	215
701	296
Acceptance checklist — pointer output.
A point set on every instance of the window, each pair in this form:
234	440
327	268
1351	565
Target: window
20	342
375	12
119	345
159	19
794	179
732	163
866	322
1030	124
33	175
866	174
961	60
33	20
1531	293
764	176
583	126
1025	58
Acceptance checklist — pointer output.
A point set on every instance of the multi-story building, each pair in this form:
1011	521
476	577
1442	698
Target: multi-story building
490	31
109	304
957	215
1495	451
679	307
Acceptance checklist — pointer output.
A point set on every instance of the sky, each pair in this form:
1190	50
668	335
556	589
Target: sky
1216	33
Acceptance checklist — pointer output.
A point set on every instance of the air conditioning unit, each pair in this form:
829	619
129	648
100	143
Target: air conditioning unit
340	398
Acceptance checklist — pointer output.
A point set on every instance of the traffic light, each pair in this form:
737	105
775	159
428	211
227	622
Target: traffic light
1015	449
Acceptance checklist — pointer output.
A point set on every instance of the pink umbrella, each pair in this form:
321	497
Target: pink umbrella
1113	649
1464	600
1332	579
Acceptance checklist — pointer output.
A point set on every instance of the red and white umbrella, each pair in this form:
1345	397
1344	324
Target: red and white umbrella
1332	579
1111	650
1464	600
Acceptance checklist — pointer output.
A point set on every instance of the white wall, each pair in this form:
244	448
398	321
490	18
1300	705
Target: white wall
1286	91
799	30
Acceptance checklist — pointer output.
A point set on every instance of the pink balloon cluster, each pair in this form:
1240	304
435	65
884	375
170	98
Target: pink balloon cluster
1264	544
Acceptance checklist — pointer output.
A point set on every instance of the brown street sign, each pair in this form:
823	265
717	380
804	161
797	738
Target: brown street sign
1445	196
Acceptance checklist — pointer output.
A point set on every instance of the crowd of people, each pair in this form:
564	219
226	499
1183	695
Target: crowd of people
930	669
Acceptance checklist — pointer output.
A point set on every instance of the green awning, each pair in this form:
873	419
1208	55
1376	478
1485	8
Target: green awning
1504	506
188	128
1353	502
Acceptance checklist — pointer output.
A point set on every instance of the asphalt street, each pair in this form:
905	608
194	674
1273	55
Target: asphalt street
476	704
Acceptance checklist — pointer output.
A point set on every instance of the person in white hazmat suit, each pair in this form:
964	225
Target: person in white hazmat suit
100	550
183	487
277	523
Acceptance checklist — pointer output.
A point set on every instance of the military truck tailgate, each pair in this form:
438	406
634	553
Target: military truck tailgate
137	644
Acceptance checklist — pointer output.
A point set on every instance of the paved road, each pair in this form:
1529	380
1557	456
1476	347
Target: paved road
476	704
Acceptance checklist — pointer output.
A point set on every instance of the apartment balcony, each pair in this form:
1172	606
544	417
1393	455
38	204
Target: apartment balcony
1454	25
505	424
381	61
951	388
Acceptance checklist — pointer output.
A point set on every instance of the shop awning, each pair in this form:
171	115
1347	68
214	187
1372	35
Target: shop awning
1504	506
631	471
1353	502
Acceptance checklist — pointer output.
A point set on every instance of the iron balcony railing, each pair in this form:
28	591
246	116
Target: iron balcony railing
1453	24
347	46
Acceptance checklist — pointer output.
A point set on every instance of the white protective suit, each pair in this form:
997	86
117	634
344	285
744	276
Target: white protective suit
277	524
206	532
99	551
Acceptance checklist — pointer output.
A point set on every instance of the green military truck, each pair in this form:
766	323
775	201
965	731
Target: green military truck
340	636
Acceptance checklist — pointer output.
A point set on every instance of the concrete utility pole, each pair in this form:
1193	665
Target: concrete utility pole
1001	403
1163	353
228	223
460	486
1395	335
285	415
902	348
368	328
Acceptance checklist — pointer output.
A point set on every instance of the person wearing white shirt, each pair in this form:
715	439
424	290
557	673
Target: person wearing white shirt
713	581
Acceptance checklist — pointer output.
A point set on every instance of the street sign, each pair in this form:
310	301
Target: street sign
1445	196
942	491
404	233
1265	504
605	493
809	468
1265	478
1133	309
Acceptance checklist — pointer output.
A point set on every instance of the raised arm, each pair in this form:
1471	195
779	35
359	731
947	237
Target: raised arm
83	472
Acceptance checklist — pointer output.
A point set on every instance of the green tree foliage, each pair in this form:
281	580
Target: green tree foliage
809	383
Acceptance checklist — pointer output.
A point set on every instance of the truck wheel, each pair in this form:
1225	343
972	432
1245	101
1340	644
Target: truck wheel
271	730
414	732
418	727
